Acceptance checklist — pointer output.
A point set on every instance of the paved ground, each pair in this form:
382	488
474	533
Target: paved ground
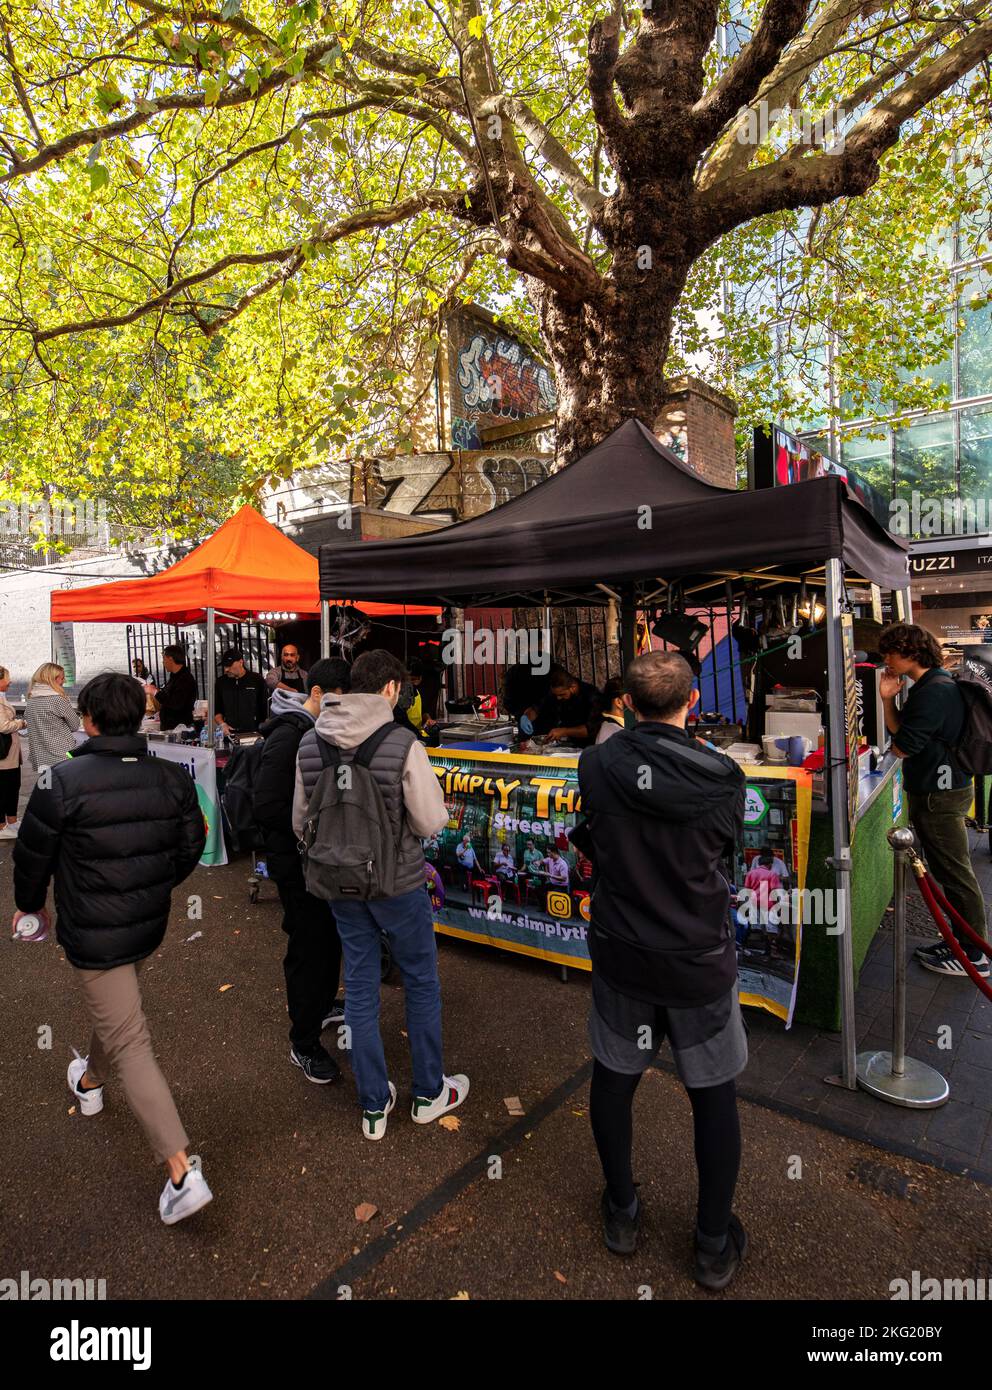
787	1069
289	1166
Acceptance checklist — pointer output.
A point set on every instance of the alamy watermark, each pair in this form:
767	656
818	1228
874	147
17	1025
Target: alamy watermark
919	515
825	131
27	1288
520	646
77	519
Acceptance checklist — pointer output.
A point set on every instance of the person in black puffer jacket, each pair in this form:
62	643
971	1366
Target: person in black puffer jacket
663	813
118	830
312	964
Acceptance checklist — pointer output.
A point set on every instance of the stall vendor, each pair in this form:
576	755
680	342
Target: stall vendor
289	674
240	697
175	700
569	713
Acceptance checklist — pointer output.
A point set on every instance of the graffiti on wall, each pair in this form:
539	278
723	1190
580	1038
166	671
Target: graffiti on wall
438	486
493	379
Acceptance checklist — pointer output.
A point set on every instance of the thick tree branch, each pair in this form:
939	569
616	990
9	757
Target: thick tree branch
604	53
550	149
285	256
22	95
853	165
732	154
781	21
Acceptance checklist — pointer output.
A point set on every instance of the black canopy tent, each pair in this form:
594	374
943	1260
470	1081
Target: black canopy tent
622	523
627	516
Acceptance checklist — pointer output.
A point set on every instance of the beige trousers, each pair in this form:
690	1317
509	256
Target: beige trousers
121	1041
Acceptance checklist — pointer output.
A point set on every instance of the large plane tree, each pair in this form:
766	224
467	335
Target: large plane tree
228	229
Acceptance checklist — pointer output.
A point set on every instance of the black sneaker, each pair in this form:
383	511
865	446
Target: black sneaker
716	1271
317	1066
928	948
619	1229
942	961
335	1014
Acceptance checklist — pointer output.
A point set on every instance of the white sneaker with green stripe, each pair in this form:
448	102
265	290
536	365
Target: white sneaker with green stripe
454	1089
374	1121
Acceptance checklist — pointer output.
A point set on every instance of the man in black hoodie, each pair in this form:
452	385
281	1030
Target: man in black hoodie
312	964
662	812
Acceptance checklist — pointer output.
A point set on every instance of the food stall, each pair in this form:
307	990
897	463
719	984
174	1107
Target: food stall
246	568
629	525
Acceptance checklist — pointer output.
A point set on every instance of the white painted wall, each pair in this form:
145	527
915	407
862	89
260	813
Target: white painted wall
25	624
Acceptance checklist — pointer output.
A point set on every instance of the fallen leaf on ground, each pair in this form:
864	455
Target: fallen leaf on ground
513	1105
223	988
460	1296
560	1277
72	1110
450	1122
365	1211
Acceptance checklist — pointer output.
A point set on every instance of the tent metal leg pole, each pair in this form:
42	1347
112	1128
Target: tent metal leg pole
211	672
628	636
907	604
325	628
841	859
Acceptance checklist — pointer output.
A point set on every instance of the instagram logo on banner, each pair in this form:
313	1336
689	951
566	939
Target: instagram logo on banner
559	905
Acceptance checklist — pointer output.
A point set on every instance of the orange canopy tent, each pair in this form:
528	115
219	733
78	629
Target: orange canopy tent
246	567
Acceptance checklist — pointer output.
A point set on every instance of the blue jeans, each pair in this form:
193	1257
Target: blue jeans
409	927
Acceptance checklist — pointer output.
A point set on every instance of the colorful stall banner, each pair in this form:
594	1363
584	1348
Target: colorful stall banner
202	767
504	872
769	913
508	873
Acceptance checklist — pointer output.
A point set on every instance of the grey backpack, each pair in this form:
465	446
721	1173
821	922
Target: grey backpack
349	847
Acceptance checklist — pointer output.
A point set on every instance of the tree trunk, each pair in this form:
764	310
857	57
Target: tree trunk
609	355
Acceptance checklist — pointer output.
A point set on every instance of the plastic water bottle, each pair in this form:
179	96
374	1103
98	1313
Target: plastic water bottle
219	740
204	736
33	926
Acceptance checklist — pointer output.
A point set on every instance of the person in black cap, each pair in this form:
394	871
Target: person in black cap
241	697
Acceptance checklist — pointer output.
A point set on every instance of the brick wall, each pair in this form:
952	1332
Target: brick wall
697	422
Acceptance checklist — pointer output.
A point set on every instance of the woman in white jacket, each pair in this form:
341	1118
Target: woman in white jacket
51	719
10	763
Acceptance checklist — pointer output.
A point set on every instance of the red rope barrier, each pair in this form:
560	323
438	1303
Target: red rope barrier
935	900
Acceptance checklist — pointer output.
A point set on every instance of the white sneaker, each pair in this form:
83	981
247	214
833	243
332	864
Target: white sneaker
89	1102
374	1121
9	832
454	1089
176	1203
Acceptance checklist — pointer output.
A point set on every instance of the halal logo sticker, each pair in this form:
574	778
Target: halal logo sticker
755	806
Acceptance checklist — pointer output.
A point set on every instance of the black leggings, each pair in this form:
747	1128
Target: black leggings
717	1133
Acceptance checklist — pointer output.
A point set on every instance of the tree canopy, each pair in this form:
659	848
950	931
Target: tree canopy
229	231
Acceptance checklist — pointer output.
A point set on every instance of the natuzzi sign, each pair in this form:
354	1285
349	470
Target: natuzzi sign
952	562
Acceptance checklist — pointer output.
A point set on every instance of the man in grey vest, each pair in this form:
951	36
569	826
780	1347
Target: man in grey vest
415	807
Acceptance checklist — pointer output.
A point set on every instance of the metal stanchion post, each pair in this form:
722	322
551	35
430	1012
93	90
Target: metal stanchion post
892	1075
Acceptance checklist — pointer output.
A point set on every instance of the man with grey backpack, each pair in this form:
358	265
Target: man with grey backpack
366	795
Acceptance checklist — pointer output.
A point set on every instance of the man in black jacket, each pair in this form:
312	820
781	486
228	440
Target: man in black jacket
662	812
241	697
118	830
313	952
176	698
